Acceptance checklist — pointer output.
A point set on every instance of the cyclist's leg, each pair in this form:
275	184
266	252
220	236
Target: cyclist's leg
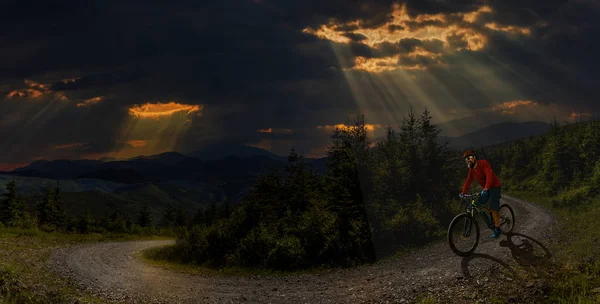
495	194
482	200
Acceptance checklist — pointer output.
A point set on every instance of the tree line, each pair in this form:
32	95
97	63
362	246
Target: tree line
48	213
563	163
372	200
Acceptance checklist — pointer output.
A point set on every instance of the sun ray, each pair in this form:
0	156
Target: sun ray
153	128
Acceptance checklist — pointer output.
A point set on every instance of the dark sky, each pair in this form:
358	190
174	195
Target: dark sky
88	79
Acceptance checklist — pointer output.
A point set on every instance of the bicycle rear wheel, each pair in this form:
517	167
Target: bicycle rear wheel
463	234
507	218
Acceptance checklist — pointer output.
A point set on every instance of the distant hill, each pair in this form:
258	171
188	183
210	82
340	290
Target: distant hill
496	134
37	184
220	151
470	124
61	168
165	158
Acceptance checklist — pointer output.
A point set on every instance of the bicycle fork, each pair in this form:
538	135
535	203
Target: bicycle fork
467	229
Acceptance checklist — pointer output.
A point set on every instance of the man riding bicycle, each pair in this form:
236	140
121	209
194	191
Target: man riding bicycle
482	171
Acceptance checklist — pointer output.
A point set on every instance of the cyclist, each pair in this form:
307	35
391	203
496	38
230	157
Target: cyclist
482	171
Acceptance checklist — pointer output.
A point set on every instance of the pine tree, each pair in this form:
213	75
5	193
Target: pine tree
61	213
211	214
48	213
199	217
225	211
10	211
169	215
145	217
181	220
347	160
85	222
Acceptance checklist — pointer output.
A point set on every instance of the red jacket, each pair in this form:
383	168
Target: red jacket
483	174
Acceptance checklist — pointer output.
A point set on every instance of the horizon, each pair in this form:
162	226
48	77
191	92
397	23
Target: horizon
118	91
11	167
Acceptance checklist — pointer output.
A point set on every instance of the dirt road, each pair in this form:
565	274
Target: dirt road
110	270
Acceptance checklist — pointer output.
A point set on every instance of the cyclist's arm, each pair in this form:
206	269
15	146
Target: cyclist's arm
489	174
467	182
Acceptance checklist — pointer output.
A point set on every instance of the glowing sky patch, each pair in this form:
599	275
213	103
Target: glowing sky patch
448	28
153	128
376	65
508	28
578	115
137	143
265	144
510	107
90	101
276	131
70	80
36	90
157	110
329	128
70	146
11	166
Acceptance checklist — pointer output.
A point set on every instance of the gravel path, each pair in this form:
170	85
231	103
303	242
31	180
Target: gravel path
110	270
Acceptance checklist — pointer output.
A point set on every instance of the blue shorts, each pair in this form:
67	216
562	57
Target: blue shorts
494	197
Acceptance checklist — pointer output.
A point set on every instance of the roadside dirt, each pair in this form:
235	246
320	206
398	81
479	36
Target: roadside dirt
111	271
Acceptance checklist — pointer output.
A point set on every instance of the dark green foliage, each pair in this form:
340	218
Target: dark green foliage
413	180
370	200
11	206
50	211
145	217
563	163
169	215
86	222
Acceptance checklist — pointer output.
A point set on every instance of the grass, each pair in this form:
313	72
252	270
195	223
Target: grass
574	277
24	273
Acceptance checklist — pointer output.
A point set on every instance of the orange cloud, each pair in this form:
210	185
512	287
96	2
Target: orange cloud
36	90
265	144
157	110
577	115
275	131
329	128
472	17
509	107
508	28
70	146
136	143
376	65
444	27
91	101
11	166
69	80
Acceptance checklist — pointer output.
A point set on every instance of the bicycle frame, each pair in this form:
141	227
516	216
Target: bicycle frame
483	211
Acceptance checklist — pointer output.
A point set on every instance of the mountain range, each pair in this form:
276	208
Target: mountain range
495	134
214	174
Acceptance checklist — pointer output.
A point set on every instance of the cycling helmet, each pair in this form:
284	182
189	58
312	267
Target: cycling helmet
469	153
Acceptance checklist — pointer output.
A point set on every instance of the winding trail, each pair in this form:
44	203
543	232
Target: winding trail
111	271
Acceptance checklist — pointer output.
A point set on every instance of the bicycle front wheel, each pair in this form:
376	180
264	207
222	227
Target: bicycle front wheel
507	218
463	234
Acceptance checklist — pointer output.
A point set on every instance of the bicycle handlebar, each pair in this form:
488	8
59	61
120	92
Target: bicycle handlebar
471	195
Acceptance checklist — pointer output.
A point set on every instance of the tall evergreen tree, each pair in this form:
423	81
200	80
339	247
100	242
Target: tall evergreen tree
169	215
10	210
145	216
347	158
48	213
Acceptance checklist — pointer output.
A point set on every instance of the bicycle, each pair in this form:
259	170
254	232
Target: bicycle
507	222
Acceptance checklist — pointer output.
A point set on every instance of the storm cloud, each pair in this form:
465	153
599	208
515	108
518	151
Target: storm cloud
72	73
